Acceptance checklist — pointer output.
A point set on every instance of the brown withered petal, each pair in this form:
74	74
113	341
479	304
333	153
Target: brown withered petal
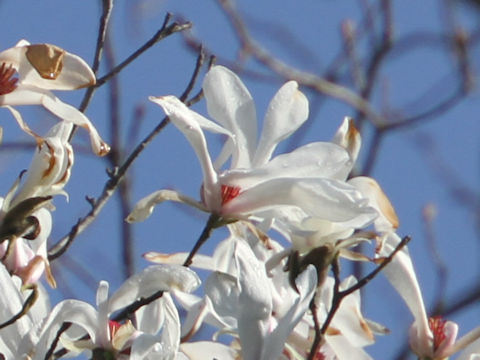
46	59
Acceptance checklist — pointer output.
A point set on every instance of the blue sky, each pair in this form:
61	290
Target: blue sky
305	34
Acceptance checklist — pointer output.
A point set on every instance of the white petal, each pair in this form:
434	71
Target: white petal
388	219
202	350
287	111
27	95
306	284
401	274
231	105
329	199
184	119
74	72
74	311
349	138
151	280
315	160
144	208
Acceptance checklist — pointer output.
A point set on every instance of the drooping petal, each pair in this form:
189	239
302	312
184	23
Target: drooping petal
315	160
151	280
232	106
329	199
401	274
144	208
287	111
28	95
184	119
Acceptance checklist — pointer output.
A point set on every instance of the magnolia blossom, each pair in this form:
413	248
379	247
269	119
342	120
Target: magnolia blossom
307	232
29	72
241	298
431	338
135	339
19	339
25	221
310	177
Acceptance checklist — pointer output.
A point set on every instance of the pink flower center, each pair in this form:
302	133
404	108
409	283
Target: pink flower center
8	83
113	327
229	193
437	325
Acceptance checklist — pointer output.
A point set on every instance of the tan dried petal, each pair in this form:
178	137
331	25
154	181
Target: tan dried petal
46	59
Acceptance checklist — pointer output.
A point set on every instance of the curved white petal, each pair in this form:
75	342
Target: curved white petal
77	312
388	218
287	111
184	119
329	199
401	274
28	95
232	106
314	160
348	137
144	208
71	72
151	280
74	73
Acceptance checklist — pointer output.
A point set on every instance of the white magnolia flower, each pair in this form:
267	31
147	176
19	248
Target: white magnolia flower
310	177
259	308
137	339
18	340
29	72
25	222
431	338
307	232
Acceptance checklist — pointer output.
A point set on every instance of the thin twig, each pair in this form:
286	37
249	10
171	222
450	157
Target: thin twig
164	32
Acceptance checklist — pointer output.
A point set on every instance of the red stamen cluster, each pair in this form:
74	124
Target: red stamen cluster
437	325
7	82
229	192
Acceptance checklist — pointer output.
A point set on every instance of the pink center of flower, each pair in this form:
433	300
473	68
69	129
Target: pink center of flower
229	193
437	325
113	326
8	83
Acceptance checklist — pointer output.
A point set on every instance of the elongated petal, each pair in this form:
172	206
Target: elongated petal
287	111
401	274
315	160
231	105
329	199
184	119
27	95
151	280
306	284
144	208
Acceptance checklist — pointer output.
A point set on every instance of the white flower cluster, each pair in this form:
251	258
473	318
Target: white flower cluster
268	300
